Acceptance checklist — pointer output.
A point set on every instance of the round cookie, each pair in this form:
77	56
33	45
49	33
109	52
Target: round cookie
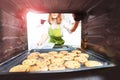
49	57
57	61
38	68
92	63
59	55
72	54
53	52
84	54
34	68
19	68
56	67
29	62
72	64
42	55
76	51
81	59
43	62
43	68
67	57
63	52
33	55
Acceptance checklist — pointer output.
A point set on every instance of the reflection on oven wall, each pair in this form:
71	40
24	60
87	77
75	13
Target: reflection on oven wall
35	28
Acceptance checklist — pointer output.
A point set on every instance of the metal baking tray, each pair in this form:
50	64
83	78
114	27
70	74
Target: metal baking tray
5	66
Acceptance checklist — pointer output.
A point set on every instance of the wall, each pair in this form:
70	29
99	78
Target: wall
12	35
101	29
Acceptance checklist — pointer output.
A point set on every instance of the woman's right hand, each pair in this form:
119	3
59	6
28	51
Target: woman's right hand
68	29
39	44
43	39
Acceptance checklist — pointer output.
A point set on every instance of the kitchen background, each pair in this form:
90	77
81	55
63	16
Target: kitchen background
35	29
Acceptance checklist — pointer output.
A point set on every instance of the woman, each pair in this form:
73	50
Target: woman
53	29
77	17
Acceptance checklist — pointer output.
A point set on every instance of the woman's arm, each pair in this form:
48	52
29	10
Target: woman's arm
77	17
73	28
75	25
44	35
43	39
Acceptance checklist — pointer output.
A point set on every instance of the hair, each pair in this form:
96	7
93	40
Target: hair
58	19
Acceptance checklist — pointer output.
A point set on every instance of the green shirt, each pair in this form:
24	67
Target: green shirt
55	35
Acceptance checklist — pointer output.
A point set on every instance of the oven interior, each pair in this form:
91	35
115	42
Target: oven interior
100	27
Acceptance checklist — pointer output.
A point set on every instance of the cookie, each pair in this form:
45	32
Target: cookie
67	57
84	54
49	57
72	54
29	62
81	59
34	68
58	55
42	55
92	63
56	67
43	62
76	51
57	61
19	68
72	64
33	55
53	52
63	52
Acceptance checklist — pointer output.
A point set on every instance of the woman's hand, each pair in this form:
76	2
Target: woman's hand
39	43
43	39
68	29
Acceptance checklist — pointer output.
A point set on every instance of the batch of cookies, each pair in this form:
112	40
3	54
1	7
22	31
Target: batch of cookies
54	60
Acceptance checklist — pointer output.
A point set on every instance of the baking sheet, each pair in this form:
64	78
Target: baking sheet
5	66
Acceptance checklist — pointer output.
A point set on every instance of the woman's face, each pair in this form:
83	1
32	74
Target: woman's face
54	15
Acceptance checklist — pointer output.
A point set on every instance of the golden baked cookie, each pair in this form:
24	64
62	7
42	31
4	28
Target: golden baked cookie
81	59
42	55
19	68
33	55
43	62
56	67
72	54
43	68
92	63
58	55
67	57
63	52
34	68
72	64
53	52
49	57
29	62
38	68
57	61
84	54
76	51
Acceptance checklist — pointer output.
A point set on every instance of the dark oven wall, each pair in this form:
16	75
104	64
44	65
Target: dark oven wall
13	38
101	29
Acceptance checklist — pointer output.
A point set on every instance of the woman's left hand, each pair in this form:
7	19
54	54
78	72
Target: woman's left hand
68	29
